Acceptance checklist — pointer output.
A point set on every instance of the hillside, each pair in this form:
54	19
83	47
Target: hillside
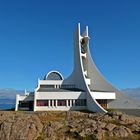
9	93
8	96
133	92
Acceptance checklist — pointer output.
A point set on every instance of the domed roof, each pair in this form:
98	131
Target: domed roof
54	75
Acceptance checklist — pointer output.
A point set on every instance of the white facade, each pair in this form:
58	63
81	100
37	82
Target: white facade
84	89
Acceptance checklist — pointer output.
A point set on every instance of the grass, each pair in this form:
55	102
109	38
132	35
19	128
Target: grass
111	110
133	137
52	116
40	138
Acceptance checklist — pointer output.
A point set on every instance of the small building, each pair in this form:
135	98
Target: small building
84	89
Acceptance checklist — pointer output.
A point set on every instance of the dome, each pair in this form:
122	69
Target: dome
54	75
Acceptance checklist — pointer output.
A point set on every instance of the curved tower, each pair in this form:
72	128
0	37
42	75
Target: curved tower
86	76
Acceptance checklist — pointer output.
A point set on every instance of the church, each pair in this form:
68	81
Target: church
84	89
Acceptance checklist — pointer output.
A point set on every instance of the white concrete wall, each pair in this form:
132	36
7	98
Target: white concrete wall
103	95
25	97
56	96
59	108
50	82
60	95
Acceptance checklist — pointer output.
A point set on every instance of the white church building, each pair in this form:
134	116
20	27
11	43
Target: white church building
84	89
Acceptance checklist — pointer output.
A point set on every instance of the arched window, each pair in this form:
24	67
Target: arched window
54	75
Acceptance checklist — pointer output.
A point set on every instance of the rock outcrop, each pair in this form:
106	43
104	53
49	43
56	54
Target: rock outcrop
19	126
68	125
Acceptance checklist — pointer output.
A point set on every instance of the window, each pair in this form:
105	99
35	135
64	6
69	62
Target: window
102	102
61	102
80	102
83	46
23	104
77	102
83	50
54	102
54	76
51	103
72	102
84	102
67	86
42	103
47	86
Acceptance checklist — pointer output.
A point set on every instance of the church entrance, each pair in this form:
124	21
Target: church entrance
102	102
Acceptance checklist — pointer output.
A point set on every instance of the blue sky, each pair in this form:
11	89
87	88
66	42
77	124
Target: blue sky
36	36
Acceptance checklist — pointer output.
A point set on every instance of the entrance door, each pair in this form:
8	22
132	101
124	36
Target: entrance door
103	103
31	105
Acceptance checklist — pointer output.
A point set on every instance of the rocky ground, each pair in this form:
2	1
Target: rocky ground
68	126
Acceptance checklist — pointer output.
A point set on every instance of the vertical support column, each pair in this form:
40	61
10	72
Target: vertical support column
70	103
52	103
34	107
56	103
17	103
67	103
107	104
49	103
73	102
